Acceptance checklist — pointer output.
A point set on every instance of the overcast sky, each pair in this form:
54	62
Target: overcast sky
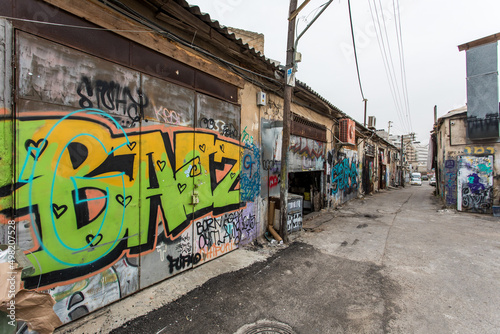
431	31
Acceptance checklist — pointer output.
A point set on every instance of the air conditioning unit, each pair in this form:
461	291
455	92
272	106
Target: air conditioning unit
372	122
347	131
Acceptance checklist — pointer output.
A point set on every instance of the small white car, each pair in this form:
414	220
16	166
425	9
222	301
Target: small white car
415	181
432	181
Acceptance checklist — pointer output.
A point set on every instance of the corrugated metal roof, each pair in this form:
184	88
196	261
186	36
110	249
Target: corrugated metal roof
310	90
214	24
455	112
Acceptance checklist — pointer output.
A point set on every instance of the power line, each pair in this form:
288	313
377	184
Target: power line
403	67
389	51
385	61
399	92
355	53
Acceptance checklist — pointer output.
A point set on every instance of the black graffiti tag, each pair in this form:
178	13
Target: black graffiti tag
110	95
182	261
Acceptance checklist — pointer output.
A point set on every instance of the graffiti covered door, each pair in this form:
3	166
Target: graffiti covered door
368	175
216	194
121	179
167	173
383	177
475	184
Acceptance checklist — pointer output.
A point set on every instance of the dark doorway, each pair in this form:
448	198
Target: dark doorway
307	185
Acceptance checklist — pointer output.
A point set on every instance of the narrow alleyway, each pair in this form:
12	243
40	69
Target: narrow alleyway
393	262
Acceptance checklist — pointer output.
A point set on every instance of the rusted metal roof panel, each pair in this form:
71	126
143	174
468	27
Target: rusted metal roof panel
158	65
206	83
104	44
305	128
6	7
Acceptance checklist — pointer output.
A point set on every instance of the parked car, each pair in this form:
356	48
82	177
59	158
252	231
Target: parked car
425	177
432	181
415	181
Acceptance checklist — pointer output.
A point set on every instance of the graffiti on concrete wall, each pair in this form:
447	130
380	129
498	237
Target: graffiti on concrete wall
271	134
450	181
225	129
475	184
167	116
250	173
306	154
80	298
344	176
246	229
216	235
479	150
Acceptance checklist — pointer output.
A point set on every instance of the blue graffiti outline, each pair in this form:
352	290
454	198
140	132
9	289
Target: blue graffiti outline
90	111
76	193
343	172
250	184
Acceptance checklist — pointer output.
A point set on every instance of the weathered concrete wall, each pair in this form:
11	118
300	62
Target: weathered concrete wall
468	172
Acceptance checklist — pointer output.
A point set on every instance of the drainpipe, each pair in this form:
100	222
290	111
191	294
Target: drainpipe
270	223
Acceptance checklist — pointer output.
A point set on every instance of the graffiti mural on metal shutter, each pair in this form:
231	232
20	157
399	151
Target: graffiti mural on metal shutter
475	184
116	185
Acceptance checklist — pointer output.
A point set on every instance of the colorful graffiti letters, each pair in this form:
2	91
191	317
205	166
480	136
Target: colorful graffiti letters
479	150
81	179
246	138
344	176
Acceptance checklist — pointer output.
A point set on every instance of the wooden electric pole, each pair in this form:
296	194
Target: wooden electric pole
366	102
402	162
285	143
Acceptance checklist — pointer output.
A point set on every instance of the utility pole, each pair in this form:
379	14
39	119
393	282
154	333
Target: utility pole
389	129
366	102
285	143
402	158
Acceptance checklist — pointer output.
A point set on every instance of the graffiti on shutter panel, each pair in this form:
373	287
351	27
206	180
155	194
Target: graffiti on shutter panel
475	184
